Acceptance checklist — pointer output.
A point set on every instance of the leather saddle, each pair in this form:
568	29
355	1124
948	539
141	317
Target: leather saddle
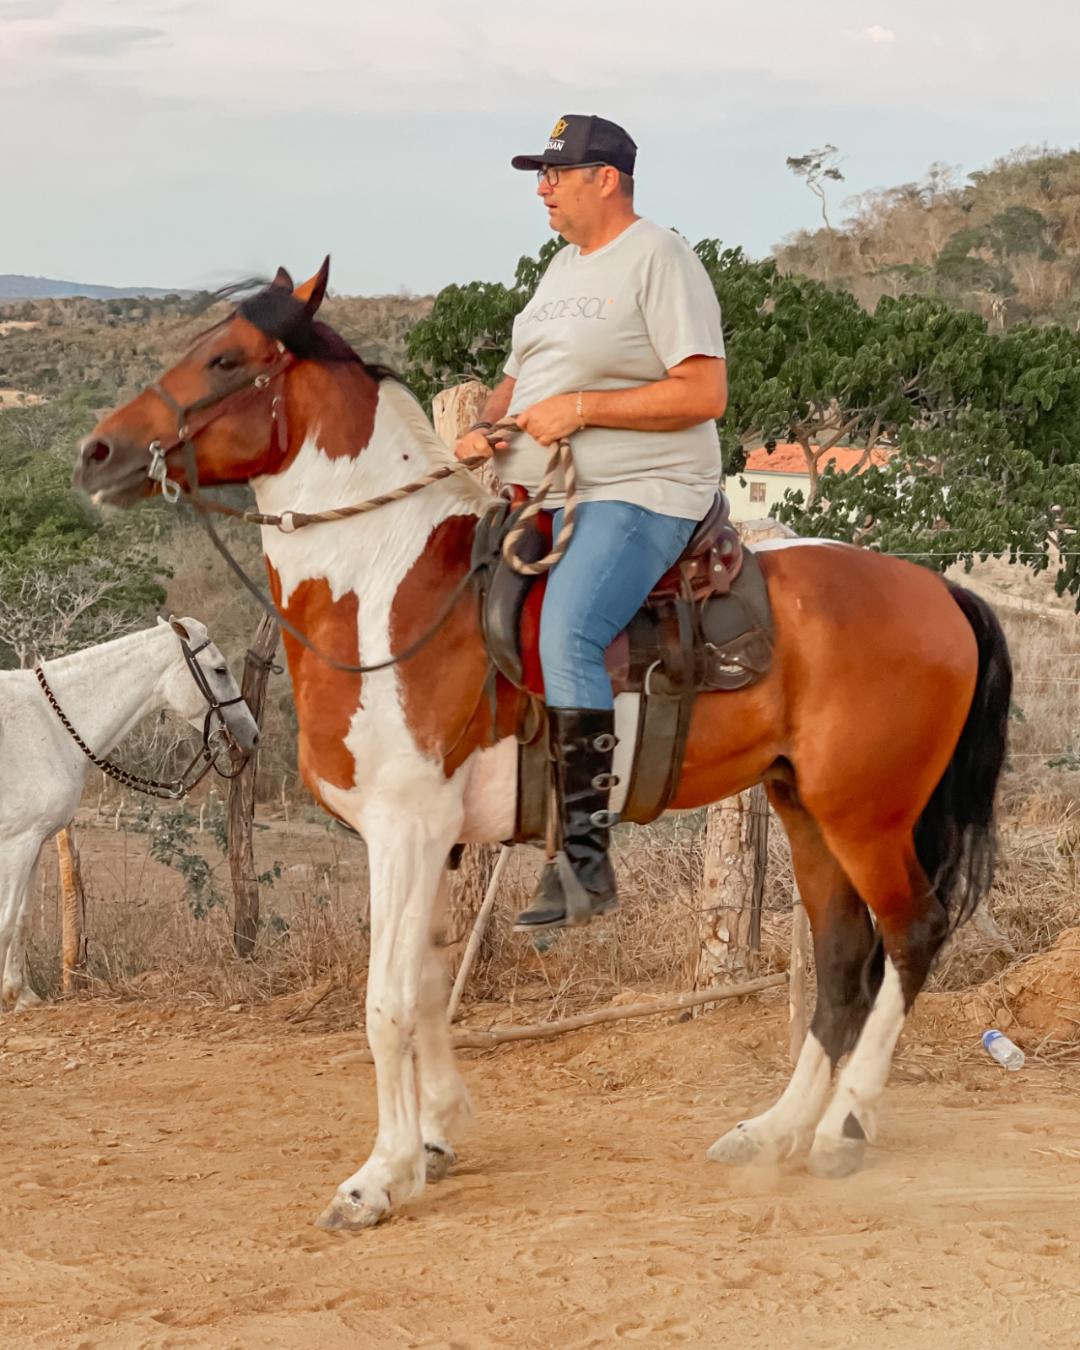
706	626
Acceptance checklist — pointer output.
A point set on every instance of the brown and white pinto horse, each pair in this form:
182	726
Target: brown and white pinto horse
879	733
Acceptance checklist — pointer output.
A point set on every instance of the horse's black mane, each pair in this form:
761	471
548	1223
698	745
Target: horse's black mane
280	315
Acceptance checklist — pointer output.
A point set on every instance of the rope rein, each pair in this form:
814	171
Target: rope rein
561	461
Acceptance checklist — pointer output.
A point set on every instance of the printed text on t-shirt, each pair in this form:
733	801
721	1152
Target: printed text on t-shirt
573	307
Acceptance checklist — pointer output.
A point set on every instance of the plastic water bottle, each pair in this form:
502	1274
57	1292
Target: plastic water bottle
999	1047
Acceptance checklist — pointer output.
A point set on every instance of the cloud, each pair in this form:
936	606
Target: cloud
875	33
104	42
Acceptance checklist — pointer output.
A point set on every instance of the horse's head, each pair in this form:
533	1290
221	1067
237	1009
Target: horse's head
221	409
200	687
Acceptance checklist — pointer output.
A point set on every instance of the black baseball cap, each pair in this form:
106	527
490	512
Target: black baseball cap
575	139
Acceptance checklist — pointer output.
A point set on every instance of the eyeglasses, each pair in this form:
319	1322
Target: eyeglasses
549	174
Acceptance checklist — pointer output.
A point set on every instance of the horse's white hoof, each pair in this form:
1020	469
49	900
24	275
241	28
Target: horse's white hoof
347	1215
836	1158
439	1159
27	1000
737	1148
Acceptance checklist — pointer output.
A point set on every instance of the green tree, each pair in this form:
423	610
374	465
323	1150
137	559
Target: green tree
816	168
986	446
467	334
68	575
984	428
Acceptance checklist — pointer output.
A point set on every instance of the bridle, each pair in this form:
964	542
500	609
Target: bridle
214	738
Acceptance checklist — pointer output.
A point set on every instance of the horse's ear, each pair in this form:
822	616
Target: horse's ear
282	281
313	290
179	629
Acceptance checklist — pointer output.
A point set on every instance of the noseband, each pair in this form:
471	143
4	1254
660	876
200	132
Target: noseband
214	738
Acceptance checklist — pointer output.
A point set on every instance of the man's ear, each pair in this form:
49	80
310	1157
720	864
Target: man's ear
313	290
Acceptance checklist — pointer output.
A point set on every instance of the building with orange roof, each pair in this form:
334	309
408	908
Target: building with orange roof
769	474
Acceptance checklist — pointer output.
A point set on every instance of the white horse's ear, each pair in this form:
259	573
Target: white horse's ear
178	628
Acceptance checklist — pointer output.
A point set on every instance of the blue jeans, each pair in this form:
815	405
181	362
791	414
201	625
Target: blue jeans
617	554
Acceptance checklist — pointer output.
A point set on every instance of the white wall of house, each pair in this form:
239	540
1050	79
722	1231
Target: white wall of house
750	504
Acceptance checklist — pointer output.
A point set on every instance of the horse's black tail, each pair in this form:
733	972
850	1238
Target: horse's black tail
955	836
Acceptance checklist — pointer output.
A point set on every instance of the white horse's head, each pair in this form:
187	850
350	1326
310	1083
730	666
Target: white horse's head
199	685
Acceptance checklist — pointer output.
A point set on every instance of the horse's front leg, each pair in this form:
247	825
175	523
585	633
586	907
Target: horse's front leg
406	858
16	890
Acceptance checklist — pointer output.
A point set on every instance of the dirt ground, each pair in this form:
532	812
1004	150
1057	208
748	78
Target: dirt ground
161	1169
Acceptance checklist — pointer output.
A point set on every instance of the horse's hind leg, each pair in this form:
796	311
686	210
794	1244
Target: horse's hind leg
913	925
847	973
444	1100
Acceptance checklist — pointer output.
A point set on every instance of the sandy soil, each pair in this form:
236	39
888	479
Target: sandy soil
19	398
162	1167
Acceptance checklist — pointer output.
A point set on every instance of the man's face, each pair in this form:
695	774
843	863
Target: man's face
573	200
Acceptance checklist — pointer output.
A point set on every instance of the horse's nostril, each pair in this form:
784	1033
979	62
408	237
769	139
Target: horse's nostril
99	452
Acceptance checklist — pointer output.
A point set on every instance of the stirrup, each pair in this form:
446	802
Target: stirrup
578	908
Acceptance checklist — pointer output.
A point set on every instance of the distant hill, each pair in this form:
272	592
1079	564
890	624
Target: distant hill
118	344
14	287
1004	243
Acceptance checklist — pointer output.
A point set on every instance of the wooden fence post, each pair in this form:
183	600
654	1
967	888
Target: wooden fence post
477	935
242	795
733	884
73	912
453	411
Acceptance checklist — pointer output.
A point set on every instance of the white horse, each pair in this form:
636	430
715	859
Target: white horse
104	692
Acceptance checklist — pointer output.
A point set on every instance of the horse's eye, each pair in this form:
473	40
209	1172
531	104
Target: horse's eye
223	363
220	670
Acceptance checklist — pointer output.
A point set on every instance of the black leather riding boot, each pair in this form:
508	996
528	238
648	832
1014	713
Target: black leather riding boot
579	882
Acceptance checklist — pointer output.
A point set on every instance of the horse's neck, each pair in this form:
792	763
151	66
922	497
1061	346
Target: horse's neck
369	554
106	690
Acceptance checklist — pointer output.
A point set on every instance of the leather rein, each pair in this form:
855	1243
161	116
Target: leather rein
214	738
190	423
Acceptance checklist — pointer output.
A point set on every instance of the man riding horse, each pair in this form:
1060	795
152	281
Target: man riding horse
621	347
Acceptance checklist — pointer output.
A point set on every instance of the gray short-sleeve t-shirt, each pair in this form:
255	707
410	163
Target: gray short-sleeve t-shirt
617	318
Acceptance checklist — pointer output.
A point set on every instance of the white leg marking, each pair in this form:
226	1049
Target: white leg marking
860	1085
787	1126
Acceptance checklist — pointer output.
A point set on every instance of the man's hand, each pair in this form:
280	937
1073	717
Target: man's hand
477	443
551	419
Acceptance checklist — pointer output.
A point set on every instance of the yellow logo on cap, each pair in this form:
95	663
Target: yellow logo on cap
559	127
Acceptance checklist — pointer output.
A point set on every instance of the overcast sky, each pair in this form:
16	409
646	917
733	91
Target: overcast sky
189	142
